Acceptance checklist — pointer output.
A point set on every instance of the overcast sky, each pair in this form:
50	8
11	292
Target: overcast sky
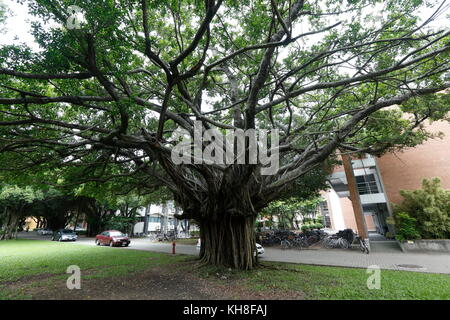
17	25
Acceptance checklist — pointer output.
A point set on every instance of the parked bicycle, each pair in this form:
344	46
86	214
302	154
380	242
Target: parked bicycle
285	244
362	244
288	239
345	239
333	241
168	236
301	243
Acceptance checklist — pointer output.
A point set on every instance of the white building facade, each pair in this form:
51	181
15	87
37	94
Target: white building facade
160	218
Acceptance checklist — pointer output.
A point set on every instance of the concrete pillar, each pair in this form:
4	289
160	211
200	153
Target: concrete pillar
147	212
354	197
164	218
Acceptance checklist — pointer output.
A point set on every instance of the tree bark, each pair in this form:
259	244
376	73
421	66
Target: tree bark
229	241
11	226
7	224
76	220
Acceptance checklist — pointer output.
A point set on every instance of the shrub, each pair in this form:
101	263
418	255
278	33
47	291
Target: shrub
194	233
259	225
305	227
319	226
406	227
389	235
390	220
123	224
430	206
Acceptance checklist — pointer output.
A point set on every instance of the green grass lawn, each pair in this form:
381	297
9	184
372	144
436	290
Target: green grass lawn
320	282
192	241
26	258
22	259
351	283
19	258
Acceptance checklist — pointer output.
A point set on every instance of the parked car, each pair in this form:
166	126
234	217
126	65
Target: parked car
64	235
112	238
259	248
45	232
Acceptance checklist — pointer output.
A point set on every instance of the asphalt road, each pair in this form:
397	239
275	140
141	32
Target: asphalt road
382	256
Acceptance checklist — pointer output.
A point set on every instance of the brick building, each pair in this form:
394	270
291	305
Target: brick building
380	179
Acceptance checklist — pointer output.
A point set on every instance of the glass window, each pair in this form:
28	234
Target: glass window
116	234
366	184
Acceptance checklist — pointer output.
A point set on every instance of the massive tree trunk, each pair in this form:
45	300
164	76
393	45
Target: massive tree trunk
229	241
225	210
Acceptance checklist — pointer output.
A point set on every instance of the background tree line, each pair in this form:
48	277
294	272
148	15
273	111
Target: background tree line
55	209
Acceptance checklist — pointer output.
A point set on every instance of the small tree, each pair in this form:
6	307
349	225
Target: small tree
14	201
406	227
121	223
289	210
430	206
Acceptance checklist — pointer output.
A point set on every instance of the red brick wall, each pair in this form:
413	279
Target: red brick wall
370	223
405	170
348	214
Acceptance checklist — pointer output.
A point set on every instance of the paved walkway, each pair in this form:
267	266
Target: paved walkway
434	263
384	254
373	236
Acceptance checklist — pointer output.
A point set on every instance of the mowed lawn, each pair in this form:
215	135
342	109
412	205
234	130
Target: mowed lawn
31	261
23	259
318	282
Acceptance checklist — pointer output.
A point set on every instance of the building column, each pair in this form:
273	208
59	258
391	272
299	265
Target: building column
354	197
164	218
388	203
147	211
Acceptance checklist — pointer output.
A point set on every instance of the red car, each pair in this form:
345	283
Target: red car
112	238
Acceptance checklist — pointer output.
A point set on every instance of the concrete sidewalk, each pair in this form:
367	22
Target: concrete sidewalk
433	263
388	258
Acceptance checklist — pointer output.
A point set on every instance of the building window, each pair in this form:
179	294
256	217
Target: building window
325	214
367	184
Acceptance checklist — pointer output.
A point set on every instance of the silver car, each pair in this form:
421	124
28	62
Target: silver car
64	235
45	232
259	249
